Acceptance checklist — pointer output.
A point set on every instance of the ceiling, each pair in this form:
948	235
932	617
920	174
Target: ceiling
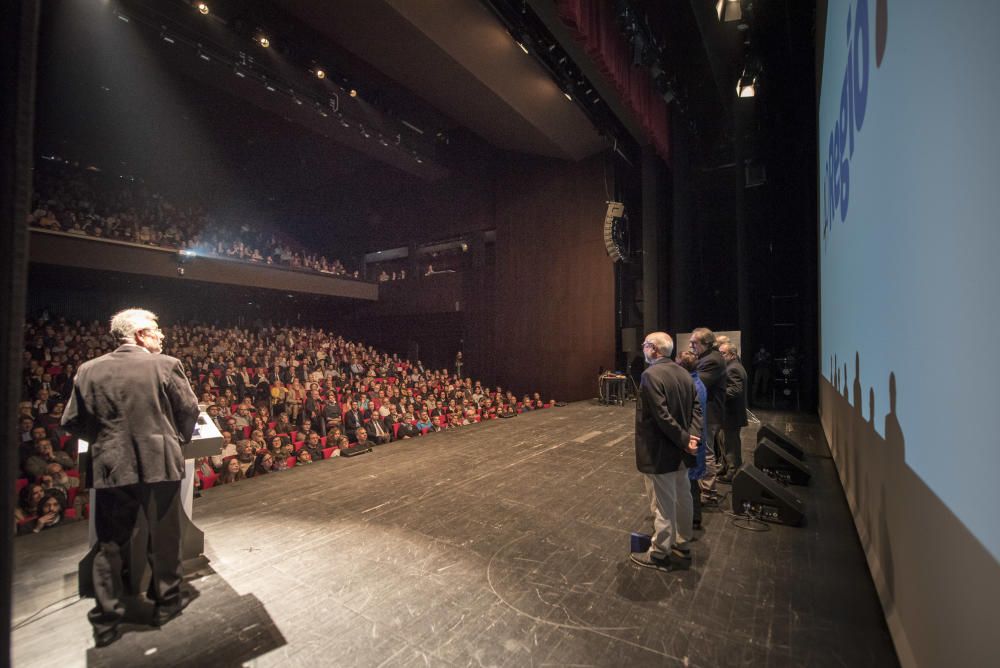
456	56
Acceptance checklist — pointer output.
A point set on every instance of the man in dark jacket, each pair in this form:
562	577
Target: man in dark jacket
667	427
135	408
712	372
736	410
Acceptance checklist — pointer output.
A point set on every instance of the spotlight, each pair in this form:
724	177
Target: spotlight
263	41
202	8
353	92
747	85
320	74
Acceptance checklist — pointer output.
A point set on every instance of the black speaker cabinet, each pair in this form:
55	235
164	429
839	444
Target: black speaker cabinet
781	440
764	497
772	459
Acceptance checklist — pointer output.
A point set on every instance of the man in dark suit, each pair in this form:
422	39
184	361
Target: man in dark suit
667	427
352	421
712	373
135	408
736	410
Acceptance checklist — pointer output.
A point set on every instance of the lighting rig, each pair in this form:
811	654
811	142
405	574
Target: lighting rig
324	97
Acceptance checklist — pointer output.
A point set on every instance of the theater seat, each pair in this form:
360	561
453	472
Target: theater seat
425	430
63	439
328	452
71	496
69	514
21	484
246	431
298	445
207	481
290	462
395	430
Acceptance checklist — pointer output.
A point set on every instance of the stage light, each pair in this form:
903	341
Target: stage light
263	41
353	92
320	74
523	47
747	85
203	9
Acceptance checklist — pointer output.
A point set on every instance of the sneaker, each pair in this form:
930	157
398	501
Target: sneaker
646	560
681	551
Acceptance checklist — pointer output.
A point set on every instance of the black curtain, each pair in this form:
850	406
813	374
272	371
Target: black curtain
18	44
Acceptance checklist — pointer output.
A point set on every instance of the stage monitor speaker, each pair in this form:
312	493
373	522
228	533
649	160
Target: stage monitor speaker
781	440
764	497
777	462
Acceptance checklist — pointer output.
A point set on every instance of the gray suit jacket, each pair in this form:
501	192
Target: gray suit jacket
135	409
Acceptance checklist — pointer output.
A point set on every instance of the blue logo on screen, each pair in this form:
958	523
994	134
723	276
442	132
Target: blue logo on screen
853	102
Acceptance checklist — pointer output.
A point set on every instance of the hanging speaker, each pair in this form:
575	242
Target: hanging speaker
776	462
781	440
611	233
756	493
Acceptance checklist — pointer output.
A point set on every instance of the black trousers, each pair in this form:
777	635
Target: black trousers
124	516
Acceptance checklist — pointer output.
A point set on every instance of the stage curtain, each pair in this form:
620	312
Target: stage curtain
592	23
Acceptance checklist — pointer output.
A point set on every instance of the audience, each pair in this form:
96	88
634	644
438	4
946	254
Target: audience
90	203
278	394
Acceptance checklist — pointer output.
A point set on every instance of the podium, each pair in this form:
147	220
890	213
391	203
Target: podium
205	442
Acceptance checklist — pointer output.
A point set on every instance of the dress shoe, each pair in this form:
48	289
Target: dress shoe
106	637
164	613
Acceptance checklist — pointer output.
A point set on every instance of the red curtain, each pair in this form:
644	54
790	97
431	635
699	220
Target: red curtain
592	23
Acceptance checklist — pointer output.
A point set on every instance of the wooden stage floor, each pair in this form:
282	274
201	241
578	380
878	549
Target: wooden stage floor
501	544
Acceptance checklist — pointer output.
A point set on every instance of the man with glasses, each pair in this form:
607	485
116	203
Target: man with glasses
667	427
134	407
712	372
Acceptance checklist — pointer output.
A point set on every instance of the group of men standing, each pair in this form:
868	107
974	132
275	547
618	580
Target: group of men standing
689	414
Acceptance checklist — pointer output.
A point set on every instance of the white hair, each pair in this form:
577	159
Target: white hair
125	324
662	342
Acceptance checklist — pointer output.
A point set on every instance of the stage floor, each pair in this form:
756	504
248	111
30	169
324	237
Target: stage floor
500	544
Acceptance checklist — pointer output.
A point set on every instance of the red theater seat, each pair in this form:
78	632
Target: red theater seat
207	481
21	484
290	462
328	452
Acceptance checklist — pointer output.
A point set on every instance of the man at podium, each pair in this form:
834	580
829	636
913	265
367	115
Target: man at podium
135	408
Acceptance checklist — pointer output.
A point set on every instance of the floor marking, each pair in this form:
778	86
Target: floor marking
599	630
376	507
586	437
617	440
